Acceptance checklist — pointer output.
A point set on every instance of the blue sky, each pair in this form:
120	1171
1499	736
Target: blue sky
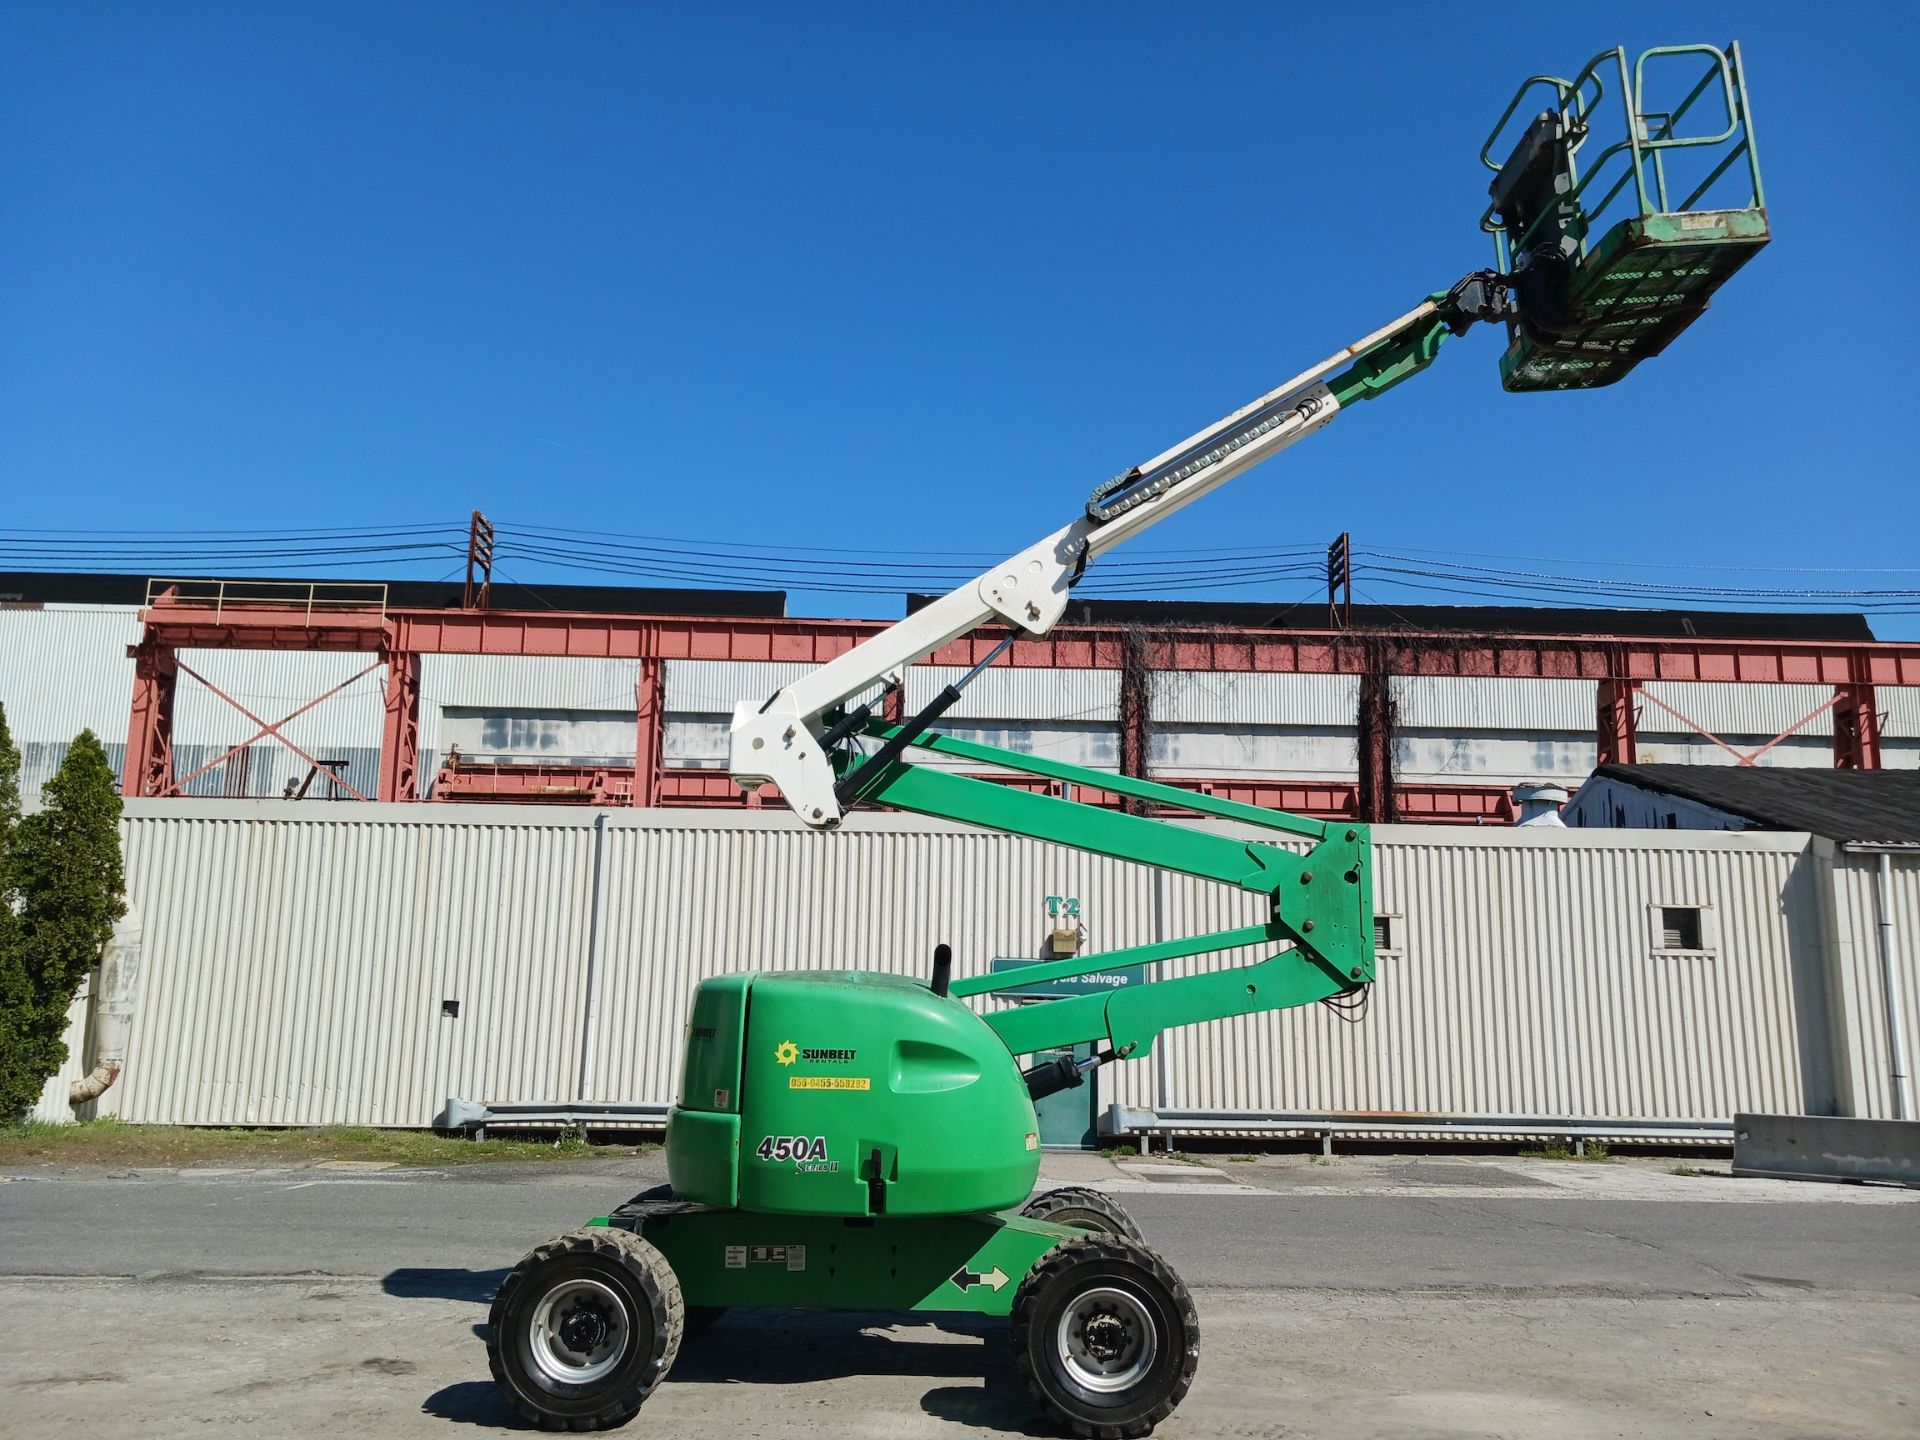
905	279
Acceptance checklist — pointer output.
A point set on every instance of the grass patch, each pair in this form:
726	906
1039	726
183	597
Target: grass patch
1597	1153
1243	1159
112	1142
1119	1152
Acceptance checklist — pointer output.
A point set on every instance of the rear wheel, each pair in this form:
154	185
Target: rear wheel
1083	1209
1106	1337
584	1328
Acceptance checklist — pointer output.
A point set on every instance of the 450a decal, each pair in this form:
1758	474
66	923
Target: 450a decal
792	1147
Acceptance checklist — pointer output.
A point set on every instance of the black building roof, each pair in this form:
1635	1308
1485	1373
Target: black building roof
1484	619
1470	619
1867	806
91	588
78	588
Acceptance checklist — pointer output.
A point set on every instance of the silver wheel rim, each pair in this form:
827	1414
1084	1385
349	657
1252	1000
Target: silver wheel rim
1105	1340
579	1332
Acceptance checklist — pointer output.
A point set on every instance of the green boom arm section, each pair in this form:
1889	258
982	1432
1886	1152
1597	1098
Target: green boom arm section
1320	903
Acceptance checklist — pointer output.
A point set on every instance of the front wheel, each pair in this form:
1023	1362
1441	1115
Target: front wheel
584	1328
1106	1336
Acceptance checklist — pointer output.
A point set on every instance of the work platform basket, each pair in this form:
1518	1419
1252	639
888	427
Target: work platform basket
1608	266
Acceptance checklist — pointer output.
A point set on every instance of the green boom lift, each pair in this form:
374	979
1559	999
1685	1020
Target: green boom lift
860	1141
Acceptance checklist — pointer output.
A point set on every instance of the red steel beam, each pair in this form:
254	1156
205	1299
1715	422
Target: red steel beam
583	636
534	784
714	789
400	734
1856	729
1616	721
650	742
401	636
148	767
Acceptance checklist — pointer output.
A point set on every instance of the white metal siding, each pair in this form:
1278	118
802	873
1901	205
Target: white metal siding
1526	983
1227	697
64	670
1090	696
1863	991
714	687
296	962
295	968
1457	703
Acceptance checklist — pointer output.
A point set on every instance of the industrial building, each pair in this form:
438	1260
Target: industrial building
308	962
504	713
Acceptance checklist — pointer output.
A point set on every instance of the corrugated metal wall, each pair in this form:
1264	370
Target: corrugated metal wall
297	961
1863	994
1526	982
295	968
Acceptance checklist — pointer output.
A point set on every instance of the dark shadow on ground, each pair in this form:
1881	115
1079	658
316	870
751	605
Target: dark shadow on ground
414	1283
788	1347
795	1347
998	1403
473	1402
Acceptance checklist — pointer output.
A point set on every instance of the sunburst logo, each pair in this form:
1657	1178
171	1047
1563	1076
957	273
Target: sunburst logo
787	1052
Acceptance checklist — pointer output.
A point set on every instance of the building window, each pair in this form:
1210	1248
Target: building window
1386	932
1680	928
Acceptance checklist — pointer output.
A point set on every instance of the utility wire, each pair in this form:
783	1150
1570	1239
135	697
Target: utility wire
752	565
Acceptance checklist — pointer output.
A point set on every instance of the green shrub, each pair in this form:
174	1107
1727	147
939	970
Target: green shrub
61	884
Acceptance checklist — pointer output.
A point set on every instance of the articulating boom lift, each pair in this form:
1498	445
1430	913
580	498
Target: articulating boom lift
855	1140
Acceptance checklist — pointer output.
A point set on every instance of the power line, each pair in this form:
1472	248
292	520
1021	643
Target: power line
1501	576
1696	567
750	565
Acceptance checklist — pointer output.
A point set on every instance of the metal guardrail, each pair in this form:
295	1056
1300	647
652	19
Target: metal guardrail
1122	1120
1646	136
307	596
475	1117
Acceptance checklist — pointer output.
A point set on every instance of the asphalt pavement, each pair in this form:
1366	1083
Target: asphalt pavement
1386	1297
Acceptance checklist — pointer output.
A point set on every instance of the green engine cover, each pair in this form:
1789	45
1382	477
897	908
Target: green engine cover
847	1092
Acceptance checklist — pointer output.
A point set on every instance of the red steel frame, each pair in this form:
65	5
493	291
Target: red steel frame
399	637
714	789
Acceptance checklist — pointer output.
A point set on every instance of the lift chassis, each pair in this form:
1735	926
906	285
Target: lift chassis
856	1140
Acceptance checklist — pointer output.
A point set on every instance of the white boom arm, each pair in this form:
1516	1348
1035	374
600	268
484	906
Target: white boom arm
780	740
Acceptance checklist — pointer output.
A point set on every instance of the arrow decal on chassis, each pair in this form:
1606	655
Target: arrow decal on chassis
966	1279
